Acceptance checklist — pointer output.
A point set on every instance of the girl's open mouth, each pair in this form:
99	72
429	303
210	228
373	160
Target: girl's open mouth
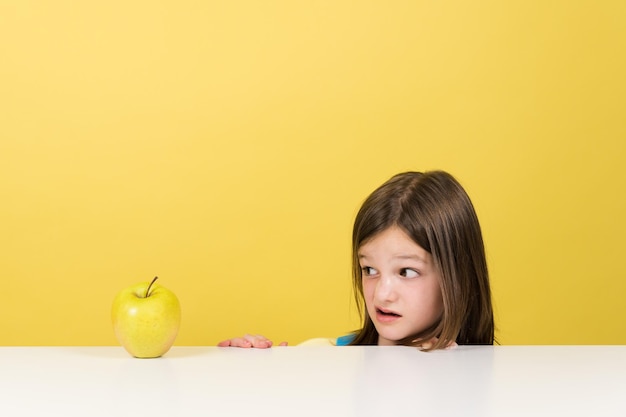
386	315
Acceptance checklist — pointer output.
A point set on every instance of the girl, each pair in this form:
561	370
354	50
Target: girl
419	268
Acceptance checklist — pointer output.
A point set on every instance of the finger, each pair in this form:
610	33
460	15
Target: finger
428	344
282	344
224	343
240	342
258	341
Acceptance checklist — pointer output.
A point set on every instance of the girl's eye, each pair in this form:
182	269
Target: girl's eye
409	273
368	271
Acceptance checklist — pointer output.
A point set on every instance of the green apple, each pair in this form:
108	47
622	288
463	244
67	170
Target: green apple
146	319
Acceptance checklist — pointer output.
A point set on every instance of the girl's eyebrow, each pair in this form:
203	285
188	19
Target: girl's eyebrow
400	256
410	257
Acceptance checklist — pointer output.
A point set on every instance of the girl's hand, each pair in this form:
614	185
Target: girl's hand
249	341
429	344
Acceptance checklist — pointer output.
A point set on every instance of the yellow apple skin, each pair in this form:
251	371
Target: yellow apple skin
146	326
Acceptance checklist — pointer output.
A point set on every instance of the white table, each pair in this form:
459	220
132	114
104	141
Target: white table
315	381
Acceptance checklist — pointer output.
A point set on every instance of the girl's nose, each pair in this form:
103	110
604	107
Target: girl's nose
385	289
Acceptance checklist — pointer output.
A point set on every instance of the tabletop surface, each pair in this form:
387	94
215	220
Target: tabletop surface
315	381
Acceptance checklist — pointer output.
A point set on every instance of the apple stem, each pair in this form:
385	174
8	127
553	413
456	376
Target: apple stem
150	286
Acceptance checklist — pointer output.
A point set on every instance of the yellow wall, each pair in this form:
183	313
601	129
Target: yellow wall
226	146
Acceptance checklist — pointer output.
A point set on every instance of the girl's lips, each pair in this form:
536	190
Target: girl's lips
386	316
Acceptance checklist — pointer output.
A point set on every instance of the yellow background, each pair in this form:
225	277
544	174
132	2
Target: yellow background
226	147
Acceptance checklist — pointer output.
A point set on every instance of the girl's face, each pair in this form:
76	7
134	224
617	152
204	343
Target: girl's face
400	285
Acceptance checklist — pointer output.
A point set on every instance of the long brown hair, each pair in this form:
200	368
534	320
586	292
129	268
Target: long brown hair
435	211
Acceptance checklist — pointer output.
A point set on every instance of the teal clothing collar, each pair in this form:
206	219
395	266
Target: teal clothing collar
345	340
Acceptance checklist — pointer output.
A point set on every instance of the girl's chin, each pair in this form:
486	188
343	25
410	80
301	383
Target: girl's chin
387	338
385	342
